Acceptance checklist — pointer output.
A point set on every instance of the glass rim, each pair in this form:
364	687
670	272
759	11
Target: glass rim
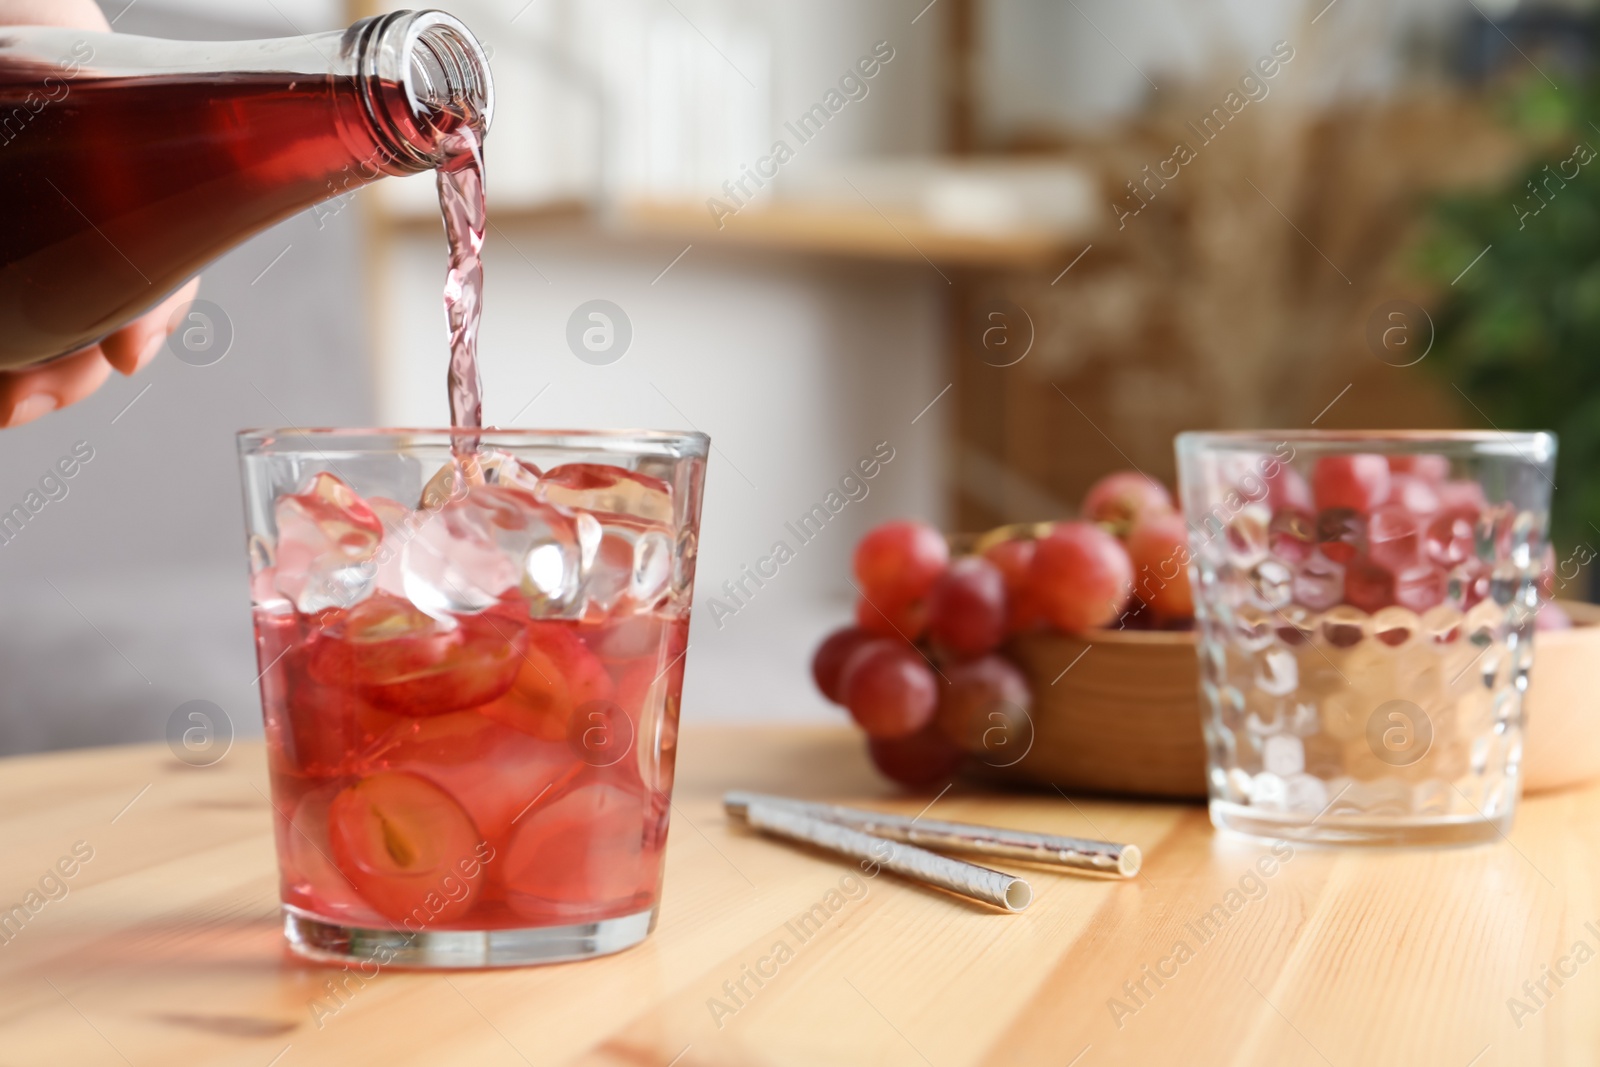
1531	445
682	444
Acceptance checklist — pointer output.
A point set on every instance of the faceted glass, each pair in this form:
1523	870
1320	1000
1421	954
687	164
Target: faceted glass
1366	606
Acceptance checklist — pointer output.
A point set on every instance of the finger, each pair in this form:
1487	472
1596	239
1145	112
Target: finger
79	14
26	395
137	343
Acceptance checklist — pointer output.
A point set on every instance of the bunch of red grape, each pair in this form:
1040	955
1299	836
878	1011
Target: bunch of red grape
922	672
1375	532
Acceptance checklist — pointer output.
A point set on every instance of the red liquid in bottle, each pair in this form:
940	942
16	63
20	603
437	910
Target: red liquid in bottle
122	190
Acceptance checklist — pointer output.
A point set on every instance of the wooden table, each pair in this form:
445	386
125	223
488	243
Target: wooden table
165	948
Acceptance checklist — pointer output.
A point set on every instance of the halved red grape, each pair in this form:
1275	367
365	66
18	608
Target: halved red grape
1124	497
1158	546
555	674
585	851
309	874
889	689
828	662
898	562
985	708
967	607
402	841
403	661
1082	576
1358	481
926	758
490	769
1014	557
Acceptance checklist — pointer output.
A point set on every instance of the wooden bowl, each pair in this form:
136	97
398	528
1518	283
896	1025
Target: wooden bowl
1121	714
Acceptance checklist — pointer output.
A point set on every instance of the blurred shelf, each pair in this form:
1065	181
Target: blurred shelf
788	228
835	231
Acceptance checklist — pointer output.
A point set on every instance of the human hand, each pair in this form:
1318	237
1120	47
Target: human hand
27	394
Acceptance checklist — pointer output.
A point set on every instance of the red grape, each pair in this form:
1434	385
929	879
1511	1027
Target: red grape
1287	488
967	607
1450	537
1122	498
1428	466
1462	496
1394	536
1419	587
1368	586
1159	548
898	562
828	662
924	759
1417	495
1468	584
891	618
985	708
1081	576
1359	481
1341	534
1015	558
889	689
1292	534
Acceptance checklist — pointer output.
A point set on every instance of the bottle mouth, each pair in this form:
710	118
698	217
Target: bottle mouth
423	77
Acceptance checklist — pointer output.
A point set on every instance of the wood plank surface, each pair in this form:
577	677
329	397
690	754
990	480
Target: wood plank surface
164	947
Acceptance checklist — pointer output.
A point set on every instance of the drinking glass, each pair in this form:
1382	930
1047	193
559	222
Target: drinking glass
471	663
1366	605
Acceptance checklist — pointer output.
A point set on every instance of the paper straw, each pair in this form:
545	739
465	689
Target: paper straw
1083	854
967	879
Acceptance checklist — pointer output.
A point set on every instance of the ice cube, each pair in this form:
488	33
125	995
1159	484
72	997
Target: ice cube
503	468
327	537
467	553
399	525
452	482
632	567
601	489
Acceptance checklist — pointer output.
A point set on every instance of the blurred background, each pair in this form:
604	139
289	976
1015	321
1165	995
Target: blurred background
1023	242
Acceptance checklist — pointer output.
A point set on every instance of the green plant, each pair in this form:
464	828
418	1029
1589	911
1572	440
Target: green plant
1519	332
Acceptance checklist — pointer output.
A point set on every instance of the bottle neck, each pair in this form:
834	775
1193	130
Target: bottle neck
421	76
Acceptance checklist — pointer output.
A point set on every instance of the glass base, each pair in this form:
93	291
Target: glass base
1345	830
327	942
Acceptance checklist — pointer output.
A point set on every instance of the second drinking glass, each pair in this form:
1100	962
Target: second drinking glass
1366	606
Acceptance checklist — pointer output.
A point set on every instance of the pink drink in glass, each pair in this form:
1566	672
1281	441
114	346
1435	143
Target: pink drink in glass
471	701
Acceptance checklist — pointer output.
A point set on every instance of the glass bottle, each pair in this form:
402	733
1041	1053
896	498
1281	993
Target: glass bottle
128	163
